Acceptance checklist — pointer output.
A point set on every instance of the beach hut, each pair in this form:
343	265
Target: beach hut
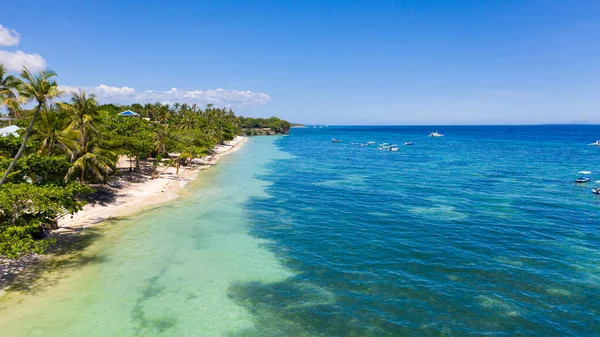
129	113
10	130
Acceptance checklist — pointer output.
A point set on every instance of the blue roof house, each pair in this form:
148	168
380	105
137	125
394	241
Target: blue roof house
129	113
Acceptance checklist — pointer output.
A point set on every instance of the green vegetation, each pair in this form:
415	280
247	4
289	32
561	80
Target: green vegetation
264	126
67	147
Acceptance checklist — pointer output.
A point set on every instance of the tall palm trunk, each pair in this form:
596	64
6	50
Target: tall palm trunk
84	147
22	148
83	171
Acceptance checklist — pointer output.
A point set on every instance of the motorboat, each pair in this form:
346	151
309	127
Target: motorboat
584	177
336	141
408	143
394	149
370	143
436	134
597	189
596	143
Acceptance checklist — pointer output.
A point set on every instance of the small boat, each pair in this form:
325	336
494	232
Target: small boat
597	143
336	141
370	143
436	134
394	149
597	189
408	143
584	177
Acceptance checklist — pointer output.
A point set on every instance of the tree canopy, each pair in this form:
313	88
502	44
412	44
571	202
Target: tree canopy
68	146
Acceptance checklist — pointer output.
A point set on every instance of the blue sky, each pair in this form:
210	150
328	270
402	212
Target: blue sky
333	62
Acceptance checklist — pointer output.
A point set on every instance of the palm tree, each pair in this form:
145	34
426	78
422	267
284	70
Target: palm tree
160	138
93	160
54	131
40	88
86	115
161	113
8	85
188	121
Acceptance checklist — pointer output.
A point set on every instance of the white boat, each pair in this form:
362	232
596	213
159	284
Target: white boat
597	143
584	177
371	143
436	134
394	149
597	189
408	143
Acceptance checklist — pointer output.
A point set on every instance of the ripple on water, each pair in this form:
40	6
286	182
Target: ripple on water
442	212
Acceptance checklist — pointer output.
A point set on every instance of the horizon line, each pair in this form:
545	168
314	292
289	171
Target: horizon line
532	124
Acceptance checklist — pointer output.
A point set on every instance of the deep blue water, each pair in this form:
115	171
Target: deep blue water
481	232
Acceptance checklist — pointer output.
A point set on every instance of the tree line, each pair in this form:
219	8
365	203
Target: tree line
251	126
64	148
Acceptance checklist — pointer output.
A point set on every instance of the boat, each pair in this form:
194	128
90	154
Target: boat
436	134
597	143
336	140
408	143
370	143
597	189
394	148
584	177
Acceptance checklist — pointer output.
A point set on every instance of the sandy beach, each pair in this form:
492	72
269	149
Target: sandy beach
130	197
134	196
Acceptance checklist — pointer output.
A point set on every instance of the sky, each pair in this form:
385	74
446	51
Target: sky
323	62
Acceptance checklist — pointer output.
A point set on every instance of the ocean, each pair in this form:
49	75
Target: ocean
480	232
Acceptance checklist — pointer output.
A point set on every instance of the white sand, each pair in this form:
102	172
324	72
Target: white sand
135	196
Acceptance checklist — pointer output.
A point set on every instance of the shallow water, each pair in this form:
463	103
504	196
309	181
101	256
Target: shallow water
481	232
165	272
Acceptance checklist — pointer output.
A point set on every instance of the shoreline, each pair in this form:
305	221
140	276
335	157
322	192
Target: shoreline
129	199
135	197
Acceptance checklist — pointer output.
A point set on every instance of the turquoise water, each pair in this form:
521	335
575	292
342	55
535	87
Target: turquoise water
164	272
481	232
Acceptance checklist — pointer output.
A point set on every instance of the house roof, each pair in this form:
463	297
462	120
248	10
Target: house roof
129	113
10	130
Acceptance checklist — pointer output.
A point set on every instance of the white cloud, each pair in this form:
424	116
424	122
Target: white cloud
103	89
15	61
218	97
9	37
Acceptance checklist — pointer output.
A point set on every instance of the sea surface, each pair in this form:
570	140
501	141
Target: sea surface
479	233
